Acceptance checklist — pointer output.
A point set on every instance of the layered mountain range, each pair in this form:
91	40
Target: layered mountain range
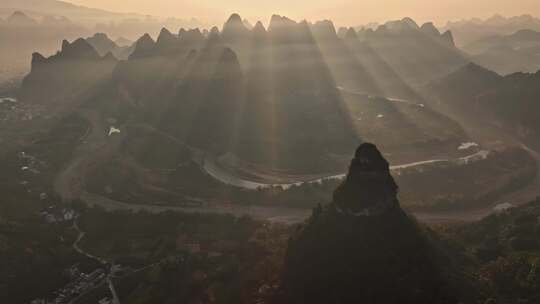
22	35
471	30
416	53
67	75
266	96
121	48
509	101
507	54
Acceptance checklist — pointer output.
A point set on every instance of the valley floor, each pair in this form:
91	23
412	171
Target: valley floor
97	145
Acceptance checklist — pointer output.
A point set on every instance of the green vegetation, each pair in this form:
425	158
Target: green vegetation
506	251
171	257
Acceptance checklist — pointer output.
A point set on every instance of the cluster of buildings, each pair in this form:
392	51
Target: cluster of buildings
80	284
12	111
53	214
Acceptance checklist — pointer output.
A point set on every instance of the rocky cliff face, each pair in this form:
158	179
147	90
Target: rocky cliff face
363	248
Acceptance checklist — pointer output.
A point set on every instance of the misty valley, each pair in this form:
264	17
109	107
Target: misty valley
280	162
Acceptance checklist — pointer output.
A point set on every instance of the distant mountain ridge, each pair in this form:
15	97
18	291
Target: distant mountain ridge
103	45
76	68
424	44
62	8
286	90
469	31
511	101
23	35
507	54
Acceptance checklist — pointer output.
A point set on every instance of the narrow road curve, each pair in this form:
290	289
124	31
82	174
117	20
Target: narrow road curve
80	236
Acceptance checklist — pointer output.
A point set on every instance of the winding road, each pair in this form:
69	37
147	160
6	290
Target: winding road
80	236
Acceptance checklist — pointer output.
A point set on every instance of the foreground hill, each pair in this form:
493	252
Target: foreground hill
363	247
507	248
362	241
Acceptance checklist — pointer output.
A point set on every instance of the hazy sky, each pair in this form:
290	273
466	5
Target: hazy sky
344	12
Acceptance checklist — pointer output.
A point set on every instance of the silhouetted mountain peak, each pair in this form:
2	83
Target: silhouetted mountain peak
369	158
165	34
101	36
165	39
259	32
234	20
279	23
143	47
37	59
324	29
193	36
527	34
65	45
234	29
101	42
448	37
247	24
228	67
214	36
342	31
259	28
145	41
410	22
429	29
368	188
466	82
20	19
351	34
361	246
79	49
229	56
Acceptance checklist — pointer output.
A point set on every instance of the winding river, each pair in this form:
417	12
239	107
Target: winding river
229	178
